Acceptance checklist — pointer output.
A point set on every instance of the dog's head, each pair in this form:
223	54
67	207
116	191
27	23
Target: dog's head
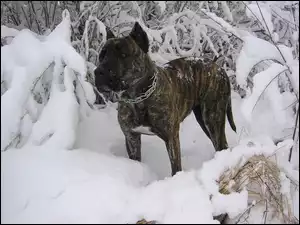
122	61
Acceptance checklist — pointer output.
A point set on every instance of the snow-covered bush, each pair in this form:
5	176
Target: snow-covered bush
44	89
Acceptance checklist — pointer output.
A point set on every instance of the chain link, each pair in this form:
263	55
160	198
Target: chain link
145	95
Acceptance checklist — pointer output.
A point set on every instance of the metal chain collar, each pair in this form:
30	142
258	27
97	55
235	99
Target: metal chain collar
145	95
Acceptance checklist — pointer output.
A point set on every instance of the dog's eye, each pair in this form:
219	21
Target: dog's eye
123	55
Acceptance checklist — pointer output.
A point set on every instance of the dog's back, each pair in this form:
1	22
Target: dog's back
197	79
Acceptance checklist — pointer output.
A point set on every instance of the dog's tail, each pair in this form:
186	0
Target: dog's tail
230	116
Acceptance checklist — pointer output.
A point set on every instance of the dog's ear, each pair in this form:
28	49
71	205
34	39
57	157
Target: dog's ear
140	37
109	33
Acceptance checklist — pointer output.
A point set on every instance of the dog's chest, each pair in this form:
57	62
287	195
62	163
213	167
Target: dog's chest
142	119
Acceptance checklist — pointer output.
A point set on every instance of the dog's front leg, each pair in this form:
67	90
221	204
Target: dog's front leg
127	120
133	145
173	148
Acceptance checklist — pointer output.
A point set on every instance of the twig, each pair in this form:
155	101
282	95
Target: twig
29	24
270	36
262	180
45	9
84	92
11	142
263	19
40	77
38	25
53	14
295	102
17	23
183	6
274	153
109	9
18	134
265	215
294	134
268	86
221	26
285	20
83	13
247	210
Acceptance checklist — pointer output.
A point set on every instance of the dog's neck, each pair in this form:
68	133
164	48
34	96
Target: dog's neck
144	81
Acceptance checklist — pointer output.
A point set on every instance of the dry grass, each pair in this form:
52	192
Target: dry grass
143	221
261	177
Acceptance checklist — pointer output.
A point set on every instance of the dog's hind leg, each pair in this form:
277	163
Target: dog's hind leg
173	148
199	117
133	146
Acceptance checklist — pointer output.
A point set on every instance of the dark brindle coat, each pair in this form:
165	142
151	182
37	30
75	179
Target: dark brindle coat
182	86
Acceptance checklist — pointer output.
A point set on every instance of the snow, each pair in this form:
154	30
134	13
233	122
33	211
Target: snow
97	183
223	24
162	5
72	165
8	31
20	72
233	204
223	160
58	131
262	13
250	56
285	184
266	78
67	187
50	185
12	103
226	11
143	130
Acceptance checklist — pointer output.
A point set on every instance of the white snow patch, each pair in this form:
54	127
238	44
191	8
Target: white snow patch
254	11
226	10
8	31
261	81
58	131
234	204
250	56
162	5
47	185
143	130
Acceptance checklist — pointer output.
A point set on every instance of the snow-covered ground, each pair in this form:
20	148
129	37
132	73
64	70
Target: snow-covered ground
73	166
97	183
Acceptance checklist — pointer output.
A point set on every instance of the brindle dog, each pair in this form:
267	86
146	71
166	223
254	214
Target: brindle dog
181	87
